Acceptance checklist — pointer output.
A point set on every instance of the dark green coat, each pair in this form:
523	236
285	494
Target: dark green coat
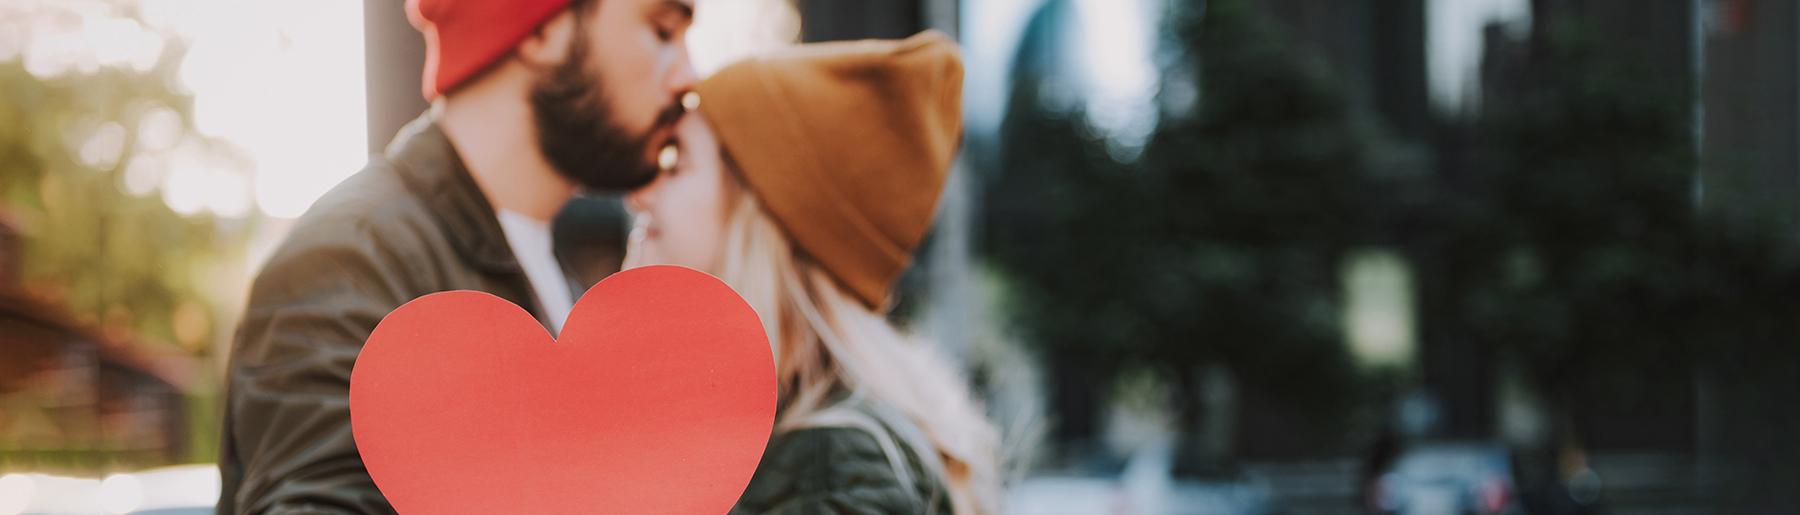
412	223
837	471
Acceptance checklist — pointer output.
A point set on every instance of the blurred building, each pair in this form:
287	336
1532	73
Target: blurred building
72	397
1749	114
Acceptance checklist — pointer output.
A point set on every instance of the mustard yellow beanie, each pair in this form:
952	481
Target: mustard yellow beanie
847	145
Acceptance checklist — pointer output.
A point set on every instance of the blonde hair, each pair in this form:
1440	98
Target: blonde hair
827	342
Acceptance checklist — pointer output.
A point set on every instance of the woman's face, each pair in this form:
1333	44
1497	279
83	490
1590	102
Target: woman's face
680	217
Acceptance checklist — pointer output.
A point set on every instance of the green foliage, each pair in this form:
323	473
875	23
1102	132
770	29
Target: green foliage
1562	233
111	257
1576	227
1586	256
1220	245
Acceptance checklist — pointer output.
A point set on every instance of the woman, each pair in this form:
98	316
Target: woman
805	180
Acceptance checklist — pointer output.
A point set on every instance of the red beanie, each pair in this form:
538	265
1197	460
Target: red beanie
463	37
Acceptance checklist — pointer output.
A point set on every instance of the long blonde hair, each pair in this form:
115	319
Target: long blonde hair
826	342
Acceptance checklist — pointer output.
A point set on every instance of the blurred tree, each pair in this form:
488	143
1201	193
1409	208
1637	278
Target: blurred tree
1576	229
1042	234
1219	246
71	145
1744	310
89	145
1584	257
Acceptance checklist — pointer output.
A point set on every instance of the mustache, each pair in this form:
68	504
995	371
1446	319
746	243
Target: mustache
669	115
601	156
665	119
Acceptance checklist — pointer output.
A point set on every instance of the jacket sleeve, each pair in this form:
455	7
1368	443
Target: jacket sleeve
288	446
831	471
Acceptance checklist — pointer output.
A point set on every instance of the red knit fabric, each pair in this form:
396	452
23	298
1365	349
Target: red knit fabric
464	37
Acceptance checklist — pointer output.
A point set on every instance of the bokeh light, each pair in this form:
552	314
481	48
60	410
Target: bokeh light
1116	41
121	493
728	30
281	79
15	494
1455	45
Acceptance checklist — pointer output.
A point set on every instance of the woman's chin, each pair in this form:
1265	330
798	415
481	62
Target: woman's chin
651	250
652	258
640	258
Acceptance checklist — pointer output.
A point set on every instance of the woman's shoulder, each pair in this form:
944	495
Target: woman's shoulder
839	470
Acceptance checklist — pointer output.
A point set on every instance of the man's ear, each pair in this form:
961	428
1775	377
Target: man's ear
548	45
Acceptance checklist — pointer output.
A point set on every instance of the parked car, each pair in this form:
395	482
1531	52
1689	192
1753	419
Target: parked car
1448	478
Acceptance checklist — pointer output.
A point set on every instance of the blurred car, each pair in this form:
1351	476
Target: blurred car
1448	478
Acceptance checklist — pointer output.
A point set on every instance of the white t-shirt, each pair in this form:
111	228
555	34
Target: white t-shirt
532	246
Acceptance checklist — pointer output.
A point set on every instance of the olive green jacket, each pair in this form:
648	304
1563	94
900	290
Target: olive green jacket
838	470
413	222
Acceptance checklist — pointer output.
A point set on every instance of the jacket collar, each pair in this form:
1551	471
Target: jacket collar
430	166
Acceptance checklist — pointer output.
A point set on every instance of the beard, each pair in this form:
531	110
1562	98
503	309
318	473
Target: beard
578	134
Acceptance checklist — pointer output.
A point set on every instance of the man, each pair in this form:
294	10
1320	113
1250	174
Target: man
532	99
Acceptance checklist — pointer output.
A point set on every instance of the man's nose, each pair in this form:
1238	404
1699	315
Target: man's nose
682	77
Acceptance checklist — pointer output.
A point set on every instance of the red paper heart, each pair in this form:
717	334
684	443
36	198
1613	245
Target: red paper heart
658	398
